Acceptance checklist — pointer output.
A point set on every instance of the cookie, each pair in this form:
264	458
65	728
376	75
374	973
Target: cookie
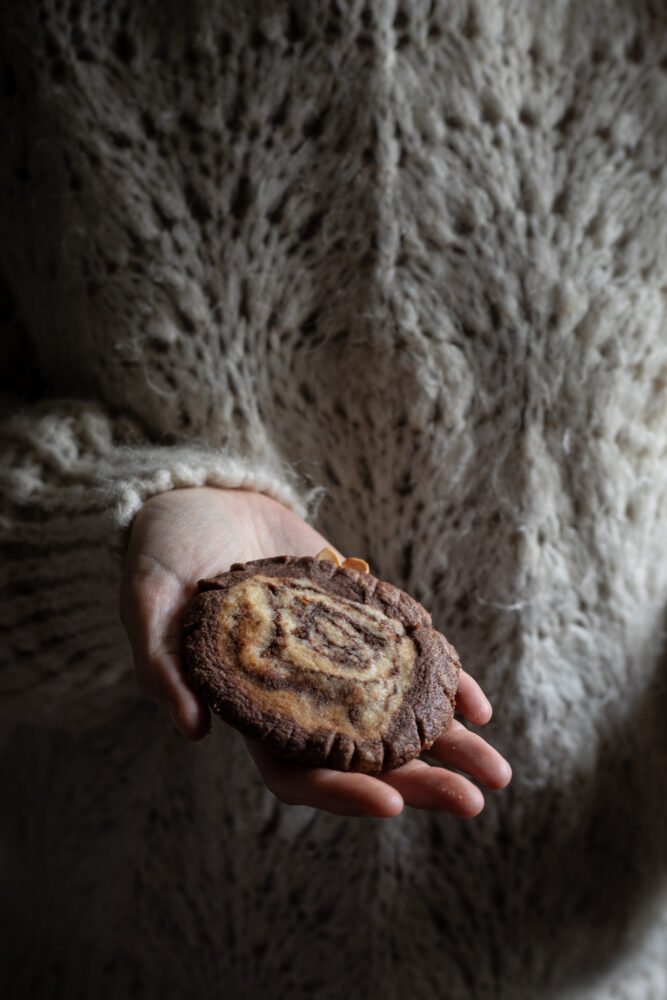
323	663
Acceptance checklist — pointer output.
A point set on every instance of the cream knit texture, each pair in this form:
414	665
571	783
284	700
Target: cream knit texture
402	265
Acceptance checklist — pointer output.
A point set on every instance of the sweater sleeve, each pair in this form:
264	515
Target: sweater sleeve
148	292
126	267
72	478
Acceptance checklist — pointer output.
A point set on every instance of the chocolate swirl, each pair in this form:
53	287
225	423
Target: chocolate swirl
325	664
335	662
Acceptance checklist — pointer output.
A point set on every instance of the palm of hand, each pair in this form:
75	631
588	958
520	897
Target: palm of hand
184	535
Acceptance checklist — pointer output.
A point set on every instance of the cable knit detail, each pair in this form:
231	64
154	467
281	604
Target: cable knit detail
403	266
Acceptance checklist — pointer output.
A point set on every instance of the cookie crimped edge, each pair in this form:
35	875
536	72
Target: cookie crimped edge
427	707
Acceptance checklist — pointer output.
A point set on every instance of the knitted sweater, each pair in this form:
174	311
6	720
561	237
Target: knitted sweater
401	265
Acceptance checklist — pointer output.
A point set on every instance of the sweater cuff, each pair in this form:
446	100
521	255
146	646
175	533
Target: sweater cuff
147	473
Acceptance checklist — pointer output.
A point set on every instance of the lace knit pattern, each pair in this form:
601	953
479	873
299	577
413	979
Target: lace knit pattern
403	266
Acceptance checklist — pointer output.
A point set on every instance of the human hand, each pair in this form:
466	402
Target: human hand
183	535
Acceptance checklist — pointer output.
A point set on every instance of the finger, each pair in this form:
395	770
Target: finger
471	701
426	787
152	610
342	793
468	752
188	713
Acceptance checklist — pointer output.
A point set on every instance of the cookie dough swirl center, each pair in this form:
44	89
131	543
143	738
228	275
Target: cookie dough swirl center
343	664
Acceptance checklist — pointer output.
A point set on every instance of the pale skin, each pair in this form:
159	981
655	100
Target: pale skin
183	535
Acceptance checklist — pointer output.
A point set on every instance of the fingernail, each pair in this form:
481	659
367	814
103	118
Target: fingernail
489	711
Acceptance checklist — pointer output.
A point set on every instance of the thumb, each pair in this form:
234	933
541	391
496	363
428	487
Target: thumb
151	611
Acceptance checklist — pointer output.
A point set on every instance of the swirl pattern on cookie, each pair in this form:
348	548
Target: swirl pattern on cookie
326	664
330	661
